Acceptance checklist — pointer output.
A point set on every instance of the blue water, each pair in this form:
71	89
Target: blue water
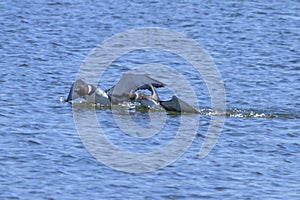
256	48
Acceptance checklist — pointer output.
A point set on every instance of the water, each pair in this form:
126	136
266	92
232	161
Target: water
256	48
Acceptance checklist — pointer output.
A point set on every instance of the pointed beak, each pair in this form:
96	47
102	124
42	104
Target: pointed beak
72	94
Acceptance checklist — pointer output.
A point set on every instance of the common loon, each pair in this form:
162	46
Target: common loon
126	91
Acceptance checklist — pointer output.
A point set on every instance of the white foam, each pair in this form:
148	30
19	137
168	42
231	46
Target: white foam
61	99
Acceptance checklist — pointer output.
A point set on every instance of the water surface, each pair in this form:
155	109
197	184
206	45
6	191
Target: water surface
256	48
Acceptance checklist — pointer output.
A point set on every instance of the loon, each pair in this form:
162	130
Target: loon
126	91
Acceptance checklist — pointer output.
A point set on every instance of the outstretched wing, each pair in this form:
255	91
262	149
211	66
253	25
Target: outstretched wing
131	82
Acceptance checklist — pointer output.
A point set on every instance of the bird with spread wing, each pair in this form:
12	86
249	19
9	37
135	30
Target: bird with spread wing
126	91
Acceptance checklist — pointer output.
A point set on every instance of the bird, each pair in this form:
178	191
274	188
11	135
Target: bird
126	91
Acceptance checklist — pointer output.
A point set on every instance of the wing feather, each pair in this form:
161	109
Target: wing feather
129	83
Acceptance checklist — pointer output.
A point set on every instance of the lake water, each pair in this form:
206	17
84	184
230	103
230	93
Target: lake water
256	47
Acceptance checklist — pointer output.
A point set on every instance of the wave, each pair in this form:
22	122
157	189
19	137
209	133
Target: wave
250	113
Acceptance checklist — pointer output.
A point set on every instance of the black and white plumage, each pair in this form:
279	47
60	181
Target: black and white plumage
126	91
